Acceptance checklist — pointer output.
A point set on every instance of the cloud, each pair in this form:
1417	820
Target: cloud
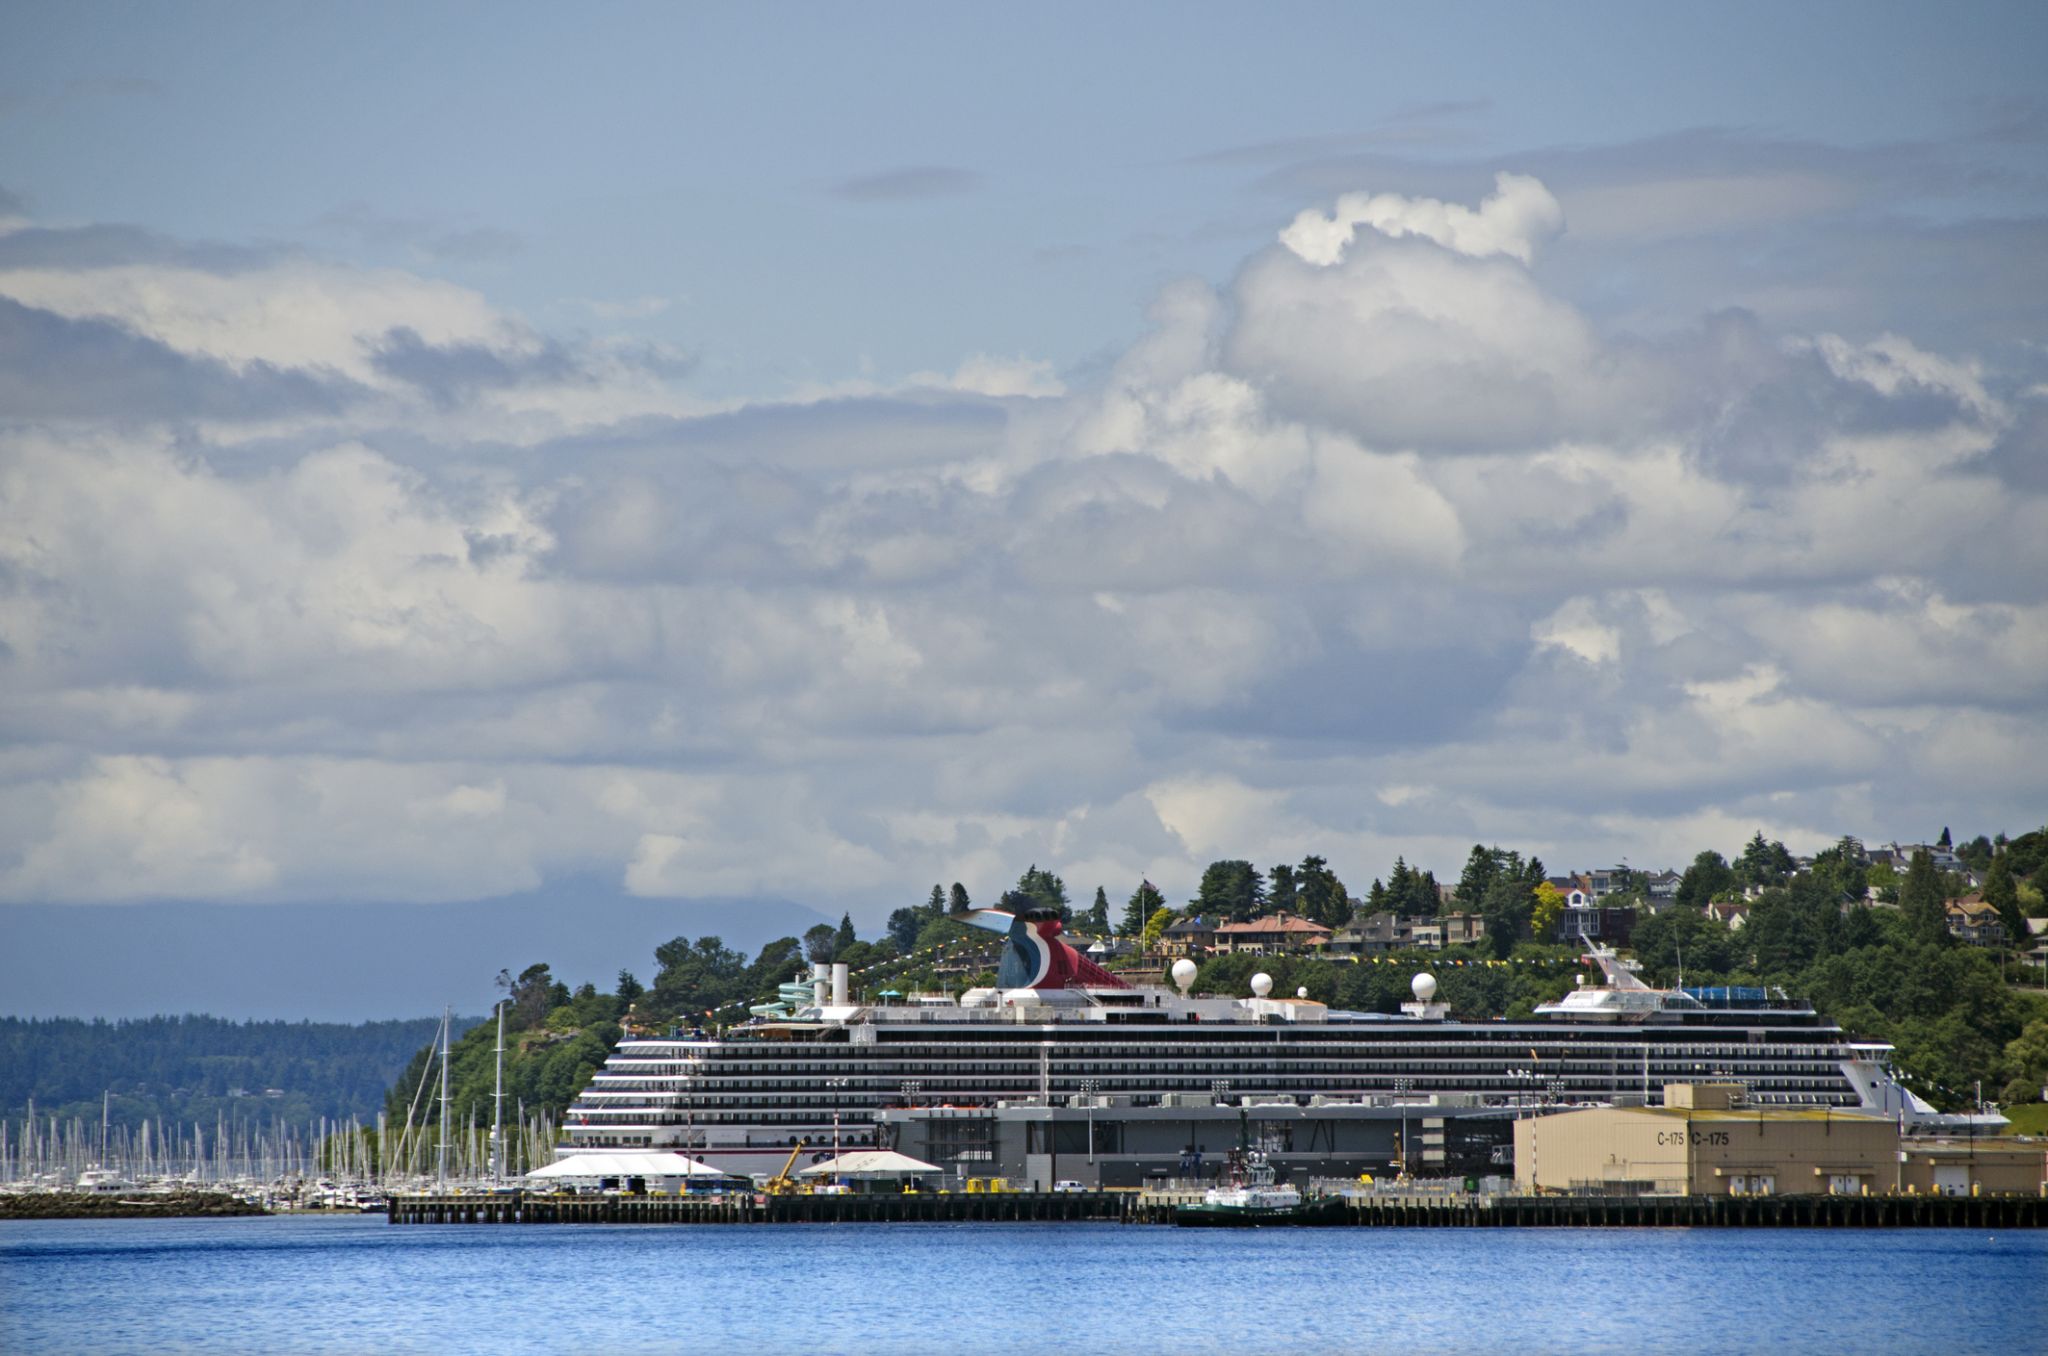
909	183
1390	547
1520	213
452	373
55	367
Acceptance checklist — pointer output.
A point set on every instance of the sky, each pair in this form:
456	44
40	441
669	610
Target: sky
731	464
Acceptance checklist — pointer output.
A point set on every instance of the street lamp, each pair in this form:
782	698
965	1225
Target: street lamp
1088	1087
911	1088
837	1085
1401	1086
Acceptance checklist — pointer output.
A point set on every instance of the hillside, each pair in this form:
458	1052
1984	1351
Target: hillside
205	1069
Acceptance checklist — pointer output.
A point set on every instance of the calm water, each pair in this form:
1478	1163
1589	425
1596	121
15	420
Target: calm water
359	1285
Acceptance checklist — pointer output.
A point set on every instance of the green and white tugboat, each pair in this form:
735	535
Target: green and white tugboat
1254	1199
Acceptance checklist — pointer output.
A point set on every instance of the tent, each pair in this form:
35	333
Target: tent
660	1171
871	1166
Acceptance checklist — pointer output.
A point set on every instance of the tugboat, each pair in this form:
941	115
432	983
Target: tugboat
1255	1199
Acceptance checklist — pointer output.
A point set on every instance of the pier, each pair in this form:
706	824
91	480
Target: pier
1127	1207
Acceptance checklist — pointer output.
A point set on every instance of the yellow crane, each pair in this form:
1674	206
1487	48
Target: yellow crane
782	1184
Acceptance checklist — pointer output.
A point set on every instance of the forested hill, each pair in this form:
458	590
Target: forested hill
186	1069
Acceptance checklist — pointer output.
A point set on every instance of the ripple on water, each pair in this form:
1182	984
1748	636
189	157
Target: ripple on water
360	1285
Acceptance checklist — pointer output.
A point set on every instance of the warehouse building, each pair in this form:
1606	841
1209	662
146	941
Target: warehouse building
1705	1142
1111	1141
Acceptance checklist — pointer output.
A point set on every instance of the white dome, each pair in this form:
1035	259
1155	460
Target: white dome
1301	992
1424	986
1183	973
1262	984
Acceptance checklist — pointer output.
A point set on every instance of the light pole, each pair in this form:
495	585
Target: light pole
837	1085
1088	1086
1402	1085
911	1088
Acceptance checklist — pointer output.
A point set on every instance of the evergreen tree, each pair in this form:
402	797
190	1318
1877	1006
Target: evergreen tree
1507	908
957	902
1400	885
628	988
1097	919
1764	862
935	907
1321	895
903	927
1481	866
1707	877
1231	891
1376	898
1281	890
1944	842
1841	869
1920	901
2001	892
1138	910
1044	890
845	937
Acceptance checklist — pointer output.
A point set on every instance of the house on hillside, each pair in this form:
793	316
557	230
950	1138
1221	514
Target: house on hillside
1971	920
1604	881
1463	929
1597	923
1276	934
1660	889
1193	938
1373	934
1731	914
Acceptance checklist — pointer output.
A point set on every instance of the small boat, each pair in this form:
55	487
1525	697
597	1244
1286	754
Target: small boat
1255	1199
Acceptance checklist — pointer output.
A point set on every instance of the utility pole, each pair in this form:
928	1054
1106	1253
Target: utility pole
498	1106
441	1174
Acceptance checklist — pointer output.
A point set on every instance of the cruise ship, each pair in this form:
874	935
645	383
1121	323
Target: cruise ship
817	1068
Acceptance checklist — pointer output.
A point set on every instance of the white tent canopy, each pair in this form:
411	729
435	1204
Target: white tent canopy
871	1163
591	1167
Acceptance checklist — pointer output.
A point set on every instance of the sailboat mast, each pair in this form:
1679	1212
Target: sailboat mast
498	1106
442	1173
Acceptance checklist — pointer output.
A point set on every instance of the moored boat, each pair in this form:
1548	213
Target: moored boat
1256	1199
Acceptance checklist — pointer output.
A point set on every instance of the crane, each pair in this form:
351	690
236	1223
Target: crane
781	1184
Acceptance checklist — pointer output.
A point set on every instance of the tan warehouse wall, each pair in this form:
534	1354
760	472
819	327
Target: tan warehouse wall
1678	1150
1706	1153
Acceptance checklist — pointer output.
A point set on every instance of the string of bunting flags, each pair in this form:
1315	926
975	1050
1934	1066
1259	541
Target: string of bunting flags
937	951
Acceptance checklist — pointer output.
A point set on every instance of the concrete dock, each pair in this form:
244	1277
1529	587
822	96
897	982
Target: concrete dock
1657	1212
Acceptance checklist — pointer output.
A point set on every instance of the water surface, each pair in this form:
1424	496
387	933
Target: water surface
360	1285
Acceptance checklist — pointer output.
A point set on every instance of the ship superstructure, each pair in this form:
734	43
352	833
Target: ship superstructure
817	1068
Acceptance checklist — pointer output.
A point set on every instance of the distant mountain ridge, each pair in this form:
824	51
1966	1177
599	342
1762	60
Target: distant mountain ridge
205	1069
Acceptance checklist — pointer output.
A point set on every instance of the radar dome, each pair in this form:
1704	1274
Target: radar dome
1262	984
1424	986
1301	992
1183	974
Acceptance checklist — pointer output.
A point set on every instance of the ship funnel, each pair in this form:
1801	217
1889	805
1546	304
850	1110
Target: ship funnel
842	984
820	983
